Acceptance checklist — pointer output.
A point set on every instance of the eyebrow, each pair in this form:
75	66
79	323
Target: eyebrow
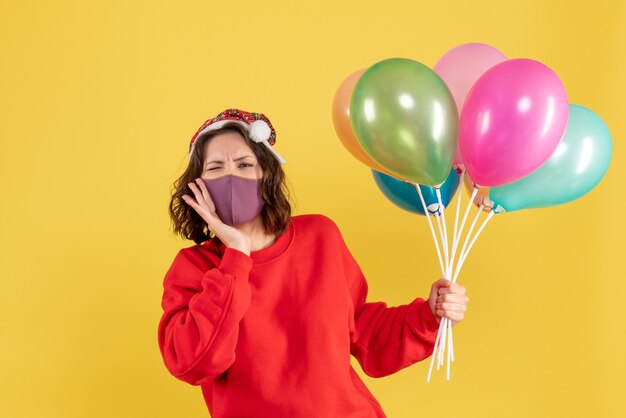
236	159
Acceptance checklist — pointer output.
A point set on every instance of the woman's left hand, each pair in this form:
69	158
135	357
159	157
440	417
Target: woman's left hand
448	300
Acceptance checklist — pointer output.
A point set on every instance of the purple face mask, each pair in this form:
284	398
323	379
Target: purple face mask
237	200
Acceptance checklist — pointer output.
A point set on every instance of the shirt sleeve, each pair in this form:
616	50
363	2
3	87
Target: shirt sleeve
385	339
199	327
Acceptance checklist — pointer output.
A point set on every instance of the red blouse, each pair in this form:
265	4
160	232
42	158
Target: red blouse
271	334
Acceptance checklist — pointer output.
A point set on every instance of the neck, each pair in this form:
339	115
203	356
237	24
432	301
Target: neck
259	238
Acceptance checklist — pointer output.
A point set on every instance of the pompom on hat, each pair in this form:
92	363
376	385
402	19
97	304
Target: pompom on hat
258	126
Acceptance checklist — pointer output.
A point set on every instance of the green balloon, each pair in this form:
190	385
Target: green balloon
405	118
577	165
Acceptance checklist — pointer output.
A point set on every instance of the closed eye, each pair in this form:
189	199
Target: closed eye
242	165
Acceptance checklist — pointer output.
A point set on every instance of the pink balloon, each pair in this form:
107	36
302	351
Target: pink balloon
461	67
512	121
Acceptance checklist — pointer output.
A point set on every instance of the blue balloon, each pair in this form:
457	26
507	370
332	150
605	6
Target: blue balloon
404	195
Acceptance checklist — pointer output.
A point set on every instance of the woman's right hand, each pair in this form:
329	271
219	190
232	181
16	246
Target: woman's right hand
204	206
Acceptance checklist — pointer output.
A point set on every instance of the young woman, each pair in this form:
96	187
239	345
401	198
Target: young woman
264	311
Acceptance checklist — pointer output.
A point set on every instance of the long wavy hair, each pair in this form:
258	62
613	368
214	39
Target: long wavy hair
276	212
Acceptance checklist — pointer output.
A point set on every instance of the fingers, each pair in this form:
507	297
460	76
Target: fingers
450	301
442	283
200	205
197	193
452	288
452	297
191	202
449	306
437	286
205	194
203	204
452	315
452	306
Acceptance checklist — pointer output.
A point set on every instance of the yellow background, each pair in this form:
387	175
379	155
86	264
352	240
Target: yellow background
98	103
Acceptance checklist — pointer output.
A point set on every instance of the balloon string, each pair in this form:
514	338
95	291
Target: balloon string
444	273
447	335
442	323
432	357
445	326
467	238
464	255
460	232
455	244
462	259
448	322
455	238
445	231
432	231
449	350
456	218
430	224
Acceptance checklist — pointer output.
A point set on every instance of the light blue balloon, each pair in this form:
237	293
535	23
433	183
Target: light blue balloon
405	196
577	165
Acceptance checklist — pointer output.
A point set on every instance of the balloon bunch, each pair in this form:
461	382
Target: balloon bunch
502	127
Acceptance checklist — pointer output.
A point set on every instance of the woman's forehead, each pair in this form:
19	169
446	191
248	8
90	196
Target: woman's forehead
227	145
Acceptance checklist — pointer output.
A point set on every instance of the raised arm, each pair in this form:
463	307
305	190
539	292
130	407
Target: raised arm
201	313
